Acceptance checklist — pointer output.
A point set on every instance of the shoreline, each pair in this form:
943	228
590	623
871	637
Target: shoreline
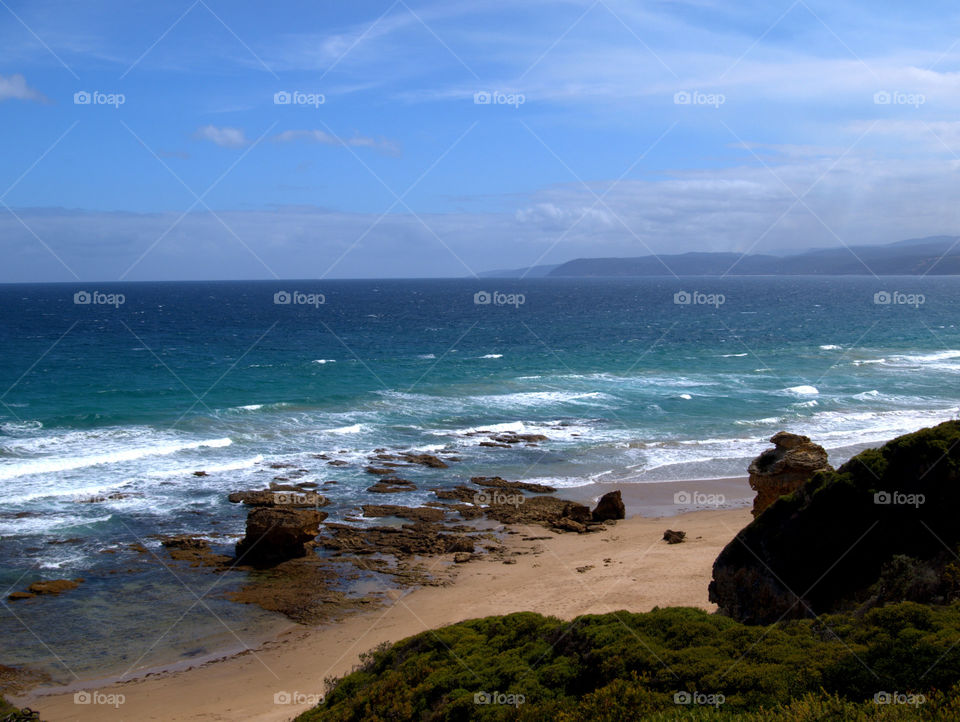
625	566
660	499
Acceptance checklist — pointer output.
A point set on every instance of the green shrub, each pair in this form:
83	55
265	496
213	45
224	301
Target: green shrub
630	666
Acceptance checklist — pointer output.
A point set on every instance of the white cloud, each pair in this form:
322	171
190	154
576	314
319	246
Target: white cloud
357	141
15	87
224	137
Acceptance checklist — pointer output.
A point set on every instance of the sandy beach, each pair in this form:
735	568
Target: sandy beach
626	566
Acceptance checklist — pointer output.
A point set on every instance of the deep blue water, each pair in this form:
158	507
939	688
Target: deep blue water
629	386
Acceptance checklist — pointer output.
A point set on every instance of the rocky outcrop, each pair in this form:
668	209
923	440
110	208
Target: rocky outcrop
392	486
275	534
419	538
879	529
50	586
418	513
196	551
495	482
280	524
610	506
785	468
424	460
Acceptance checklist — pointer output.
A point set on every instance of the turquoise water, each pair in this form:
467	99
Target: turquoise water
629	386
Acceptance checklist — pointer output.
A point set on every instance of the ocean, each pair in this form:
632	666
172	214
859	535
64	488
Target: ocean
125	390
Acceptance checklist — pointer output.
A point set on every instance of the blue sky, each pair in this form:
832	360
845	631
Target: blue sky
808	124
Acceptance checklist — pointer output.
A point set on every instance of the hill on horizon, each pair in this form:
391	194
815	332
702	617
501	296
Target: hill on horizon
932	255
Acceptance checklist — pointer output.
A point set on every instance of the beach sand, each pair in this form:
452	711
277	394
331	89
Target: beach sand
626	566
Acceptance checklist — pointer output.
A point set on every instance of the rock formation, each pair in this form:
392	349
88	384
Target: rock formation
610	506
279	525
275	534
881	528
785	468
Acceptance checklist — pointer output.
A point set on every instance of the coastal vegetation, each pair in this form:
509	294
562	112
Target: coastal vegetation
901	661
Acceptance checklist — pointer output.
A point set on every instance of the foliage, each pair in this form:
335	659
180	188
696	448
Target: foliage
632	666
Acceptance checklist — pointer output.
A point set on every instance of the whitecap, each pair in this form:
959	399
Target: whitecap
493	355
48	465
352	429
830	347
324	361
23	427
802	390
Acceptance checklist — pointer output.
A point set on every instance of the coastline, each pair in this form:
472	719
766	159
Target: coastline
668	498
625	566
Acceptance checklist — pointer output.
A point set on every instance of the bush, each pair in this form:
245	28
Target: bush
634	666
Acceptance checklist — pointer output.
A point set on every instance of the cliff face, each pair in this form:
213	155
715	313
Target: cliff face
785	468
881	528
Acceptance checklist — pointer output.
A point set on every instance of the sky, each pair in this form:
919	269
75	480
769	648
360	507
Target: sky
206	139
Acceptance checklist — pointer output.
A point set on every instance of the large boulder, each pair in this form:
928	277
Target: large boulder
881	528
610	506
785	468
275	534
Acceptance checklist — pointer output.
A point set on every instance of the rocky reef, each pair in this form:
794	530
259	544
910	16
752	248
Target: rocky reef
785	468
882	528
